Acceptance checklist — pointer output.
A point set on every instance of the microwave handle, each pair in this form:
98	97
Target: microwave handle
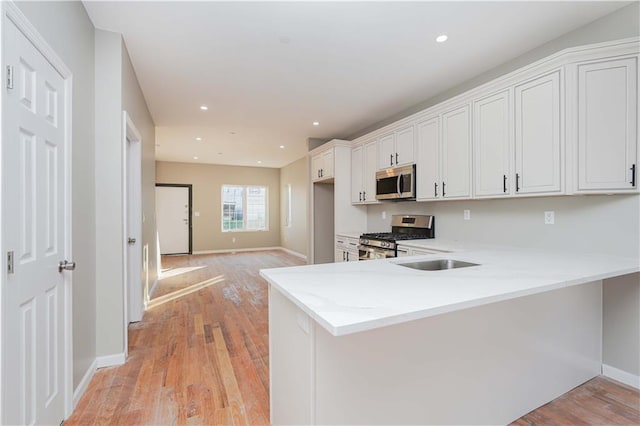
400	184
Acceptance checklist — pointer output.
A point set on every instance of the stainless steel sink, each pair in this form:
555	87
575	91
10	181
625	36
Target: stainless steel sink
437	265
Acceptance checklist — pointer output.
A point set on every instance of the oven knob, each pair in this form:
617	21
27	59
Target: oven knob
385	244
363	241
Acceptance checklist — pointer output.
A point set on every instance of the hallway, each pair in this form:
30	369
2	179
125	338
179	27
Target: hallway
200	354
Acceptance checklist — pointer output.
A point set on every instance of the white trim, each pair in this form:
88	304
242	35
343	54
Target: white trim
15	15
111	360
621	376
84	383
294	253
236	250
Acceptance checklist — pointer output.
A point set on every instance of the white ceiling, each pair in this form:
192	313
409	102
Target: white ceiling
267	70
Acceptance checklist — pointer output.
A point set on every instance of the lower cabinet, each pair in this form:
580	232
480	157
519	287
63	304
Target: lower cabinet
346	249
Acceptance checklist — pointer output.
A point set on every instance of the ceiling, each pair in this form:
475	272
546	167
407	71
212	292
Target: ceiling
268	70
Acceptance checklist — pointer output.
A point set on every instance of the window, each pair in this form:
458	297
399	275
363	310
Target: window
244	208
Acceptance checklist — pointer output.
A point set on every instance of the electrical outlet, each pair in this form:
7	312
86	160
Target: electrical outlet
467	215
196	214
233	240
384	214
549	218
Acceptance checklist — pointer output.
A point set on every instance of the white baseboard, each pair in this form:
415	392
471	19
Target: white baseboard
84	383
621	376
294	253
111	360
235	250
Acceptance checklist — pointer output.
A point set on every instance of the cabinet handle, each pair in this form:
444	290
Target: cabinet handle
391	159
504	183
347	256
364	195
443	193
321	172
435	189
517	182
359	196
633	175
396	158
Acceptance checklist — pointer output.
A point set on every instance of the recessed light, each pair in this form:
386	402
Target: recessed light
316	123
259	162
204	107
195	158
441	38
198	138
281	146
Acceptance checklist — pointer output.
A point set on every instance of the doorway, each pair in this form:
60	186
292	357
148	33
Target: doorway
173	218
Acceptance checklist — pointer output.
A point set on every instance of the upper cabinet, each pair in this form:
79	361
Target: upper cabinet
562	125
363	173
538	135
606	111
493	145
397	148
428	159
456	153
322	166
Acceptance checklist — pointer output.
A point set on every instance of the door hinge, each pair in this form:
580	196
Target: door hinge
9	77
10	262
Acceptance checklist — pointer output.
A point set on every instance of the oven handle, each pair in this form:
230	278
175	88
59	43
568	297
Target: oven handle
367	250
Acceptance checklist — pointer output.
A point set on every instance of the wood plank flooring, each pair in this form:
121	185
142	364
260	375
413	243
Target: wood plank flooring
201	356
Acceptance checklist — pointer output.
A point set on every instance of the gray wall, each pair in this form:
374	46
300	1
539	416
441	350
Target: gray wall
134	103
207	181
295	236
68	30
599	224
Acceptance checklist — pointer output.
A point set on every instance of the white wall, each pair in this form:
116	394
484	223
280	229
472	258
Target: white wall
294	237
68	30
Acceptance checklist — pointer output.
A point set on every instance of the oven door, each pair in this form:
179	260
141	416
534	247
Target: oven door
370	253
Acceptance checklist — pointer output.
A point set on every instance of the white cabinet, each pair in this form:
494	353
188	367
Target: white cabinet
493	144
428	159
363	173
322	166
456	153
607	119
538	135
346	249
397	148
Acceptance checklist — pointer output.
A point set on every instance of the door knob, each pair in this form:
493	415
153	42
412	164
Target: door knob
131	240
65	265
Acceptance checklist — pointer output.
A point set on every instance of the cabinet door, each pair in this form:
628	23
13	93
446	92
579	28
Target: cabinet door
327	164
538	135
316	165
428	184
357	174
607	123
386	151
492	141
456	158
369	173
341	256
405	145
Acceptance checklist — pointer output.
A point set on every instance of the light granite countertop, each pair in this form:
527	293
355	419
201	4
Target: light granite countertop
351	297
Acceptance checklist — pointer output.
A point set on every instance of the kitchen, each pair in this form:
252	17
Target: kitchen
536	214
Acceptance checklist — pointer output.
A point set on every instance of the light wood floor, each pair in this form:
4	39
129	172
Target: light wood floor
200	356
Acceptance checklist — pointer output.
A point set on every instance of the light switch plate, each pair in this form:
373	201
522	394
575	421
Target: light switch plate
467	215
384	214
196	214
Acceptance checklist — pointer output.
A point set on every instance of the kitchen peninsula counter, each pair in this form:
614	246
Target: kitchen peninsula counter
374	342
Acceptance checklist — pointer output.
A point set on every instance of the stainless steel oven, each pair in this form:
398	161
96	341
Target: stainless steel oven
382	245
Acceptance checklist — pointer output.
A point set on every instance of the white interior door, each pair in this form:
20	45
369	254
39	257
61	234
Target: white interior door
35	207
172	217
134	261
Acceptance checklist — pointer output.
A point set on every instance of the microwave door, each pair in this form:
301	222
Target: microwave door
387	188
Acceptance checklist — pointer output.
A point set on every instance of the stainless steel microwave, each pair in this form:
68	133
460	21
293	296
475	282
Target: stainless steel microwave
396	184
